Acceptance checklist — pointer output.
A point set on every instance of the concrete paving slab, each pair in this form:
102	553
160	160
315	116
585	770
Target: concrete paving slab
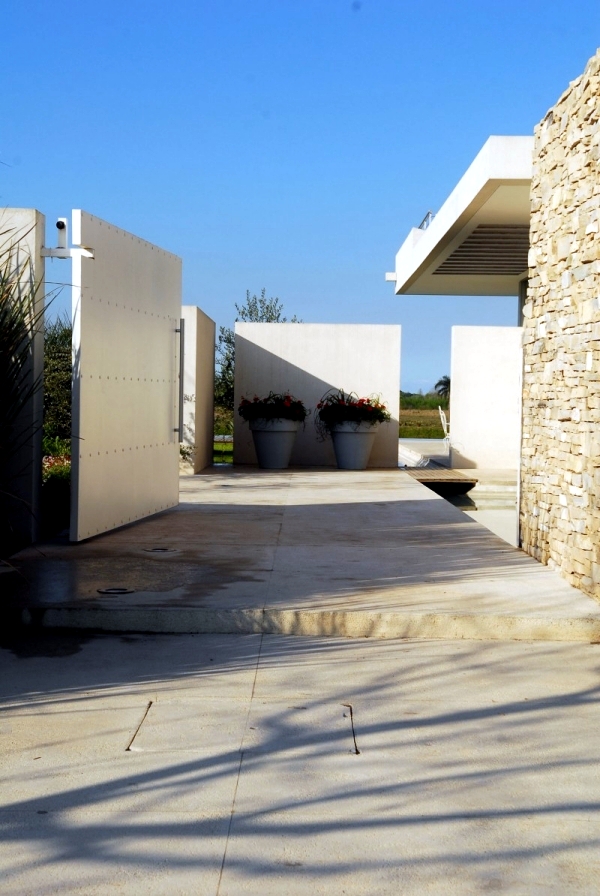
136	666
306	552
372	669
92	852
453	791
478	767
125	781
92	728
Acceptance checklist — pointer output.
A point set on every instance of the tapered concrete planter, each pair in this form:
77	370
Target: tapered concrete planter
273	442
352	443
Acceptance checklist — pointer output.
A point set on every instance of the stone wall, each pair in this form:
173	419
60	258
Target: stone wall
560	487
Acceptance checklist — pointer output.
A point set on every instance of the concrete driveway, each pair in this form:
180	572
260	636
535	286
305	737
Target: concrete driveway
261	764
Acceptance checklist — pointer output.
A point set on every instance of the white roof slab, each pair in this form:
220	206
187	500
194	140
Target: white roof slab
477	243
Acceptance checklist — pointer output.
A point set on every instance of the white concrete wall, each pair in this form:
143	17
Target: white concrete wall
485	397
24	229
198	385
308	360
126	312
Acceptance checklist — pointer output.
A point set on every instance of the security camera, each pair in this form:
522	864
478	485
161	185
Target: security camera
62	227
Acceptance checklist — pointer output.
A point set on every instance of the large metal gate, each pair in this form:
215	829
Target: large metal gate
126	343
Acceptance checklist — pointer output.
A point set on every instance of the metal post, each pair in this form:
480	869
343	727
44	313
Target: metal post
181	332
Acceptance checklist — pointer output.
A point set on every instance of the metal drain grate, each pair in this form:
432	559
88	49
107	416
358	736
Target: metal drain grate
116	591
161	551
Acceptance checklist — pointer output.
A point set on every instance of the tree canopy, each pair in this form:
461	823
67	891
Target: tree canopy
442	387
258	310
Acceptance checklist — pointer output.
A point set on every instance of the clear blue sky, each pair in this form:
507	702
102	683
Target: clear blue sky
289	144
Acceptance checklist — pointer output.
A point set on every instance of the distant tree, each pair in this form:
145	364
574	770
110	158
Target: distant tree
442	387
257	309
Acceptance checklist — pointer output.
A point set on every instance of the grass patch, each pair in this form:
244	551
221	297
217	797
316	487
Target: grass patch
421	423
223	453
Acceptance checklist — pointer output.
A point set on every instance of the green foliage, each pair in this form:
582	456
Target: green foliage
442	387
420	402
56	468
186	453
53	446
223	421
276	406
262	310
20	326
224	375
338	406
257	309
19	323
57	380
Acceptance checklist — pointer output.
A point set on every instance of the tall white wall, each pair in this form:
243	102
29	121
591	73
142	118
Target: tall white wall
485	397
24	230
198	386
126	312
308	360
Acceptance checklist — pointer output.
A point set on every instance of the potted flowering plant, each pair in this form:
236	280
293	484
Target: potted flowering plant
352	423
274	422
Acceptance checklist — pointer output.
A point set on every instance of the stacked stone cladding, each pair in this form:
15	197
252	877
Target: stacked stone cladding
560	485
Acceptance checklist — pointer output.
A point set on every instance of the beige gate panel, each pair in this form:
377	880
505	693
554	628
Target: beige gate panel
126	310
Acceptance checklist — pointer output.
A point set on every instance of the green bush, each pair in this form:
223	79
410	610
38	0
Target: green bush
57	381
20	324
56	468
421	402
256	310
53	446
223	421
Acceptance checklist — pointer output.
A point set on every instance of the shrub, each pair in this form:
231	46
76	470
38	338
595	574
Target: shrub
19	327
422	402
276	406
338	406
57	380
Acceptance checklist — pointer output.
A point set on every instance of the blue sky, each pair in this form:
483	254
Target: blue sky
288	144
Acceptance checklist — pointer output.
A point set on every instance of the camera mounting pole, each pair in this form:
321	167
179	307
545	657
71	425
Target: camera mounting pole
62	249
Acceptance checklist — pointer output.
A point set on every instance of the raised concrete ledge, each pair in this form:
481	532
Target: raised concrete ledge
326	623
493	190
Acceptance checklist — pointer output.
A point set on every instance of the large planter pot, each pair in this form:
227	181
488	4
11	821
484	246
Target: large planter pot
273	442
352	443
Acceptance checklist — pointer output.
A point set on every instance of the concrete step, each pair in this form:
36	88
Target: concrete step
326	623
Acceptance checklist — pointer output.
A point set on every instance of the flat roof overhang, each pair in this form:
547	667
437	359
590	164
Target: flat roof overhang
478	242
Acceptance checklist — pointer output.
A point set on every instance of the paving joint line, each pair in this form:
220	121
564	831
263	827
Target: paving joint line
239	770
